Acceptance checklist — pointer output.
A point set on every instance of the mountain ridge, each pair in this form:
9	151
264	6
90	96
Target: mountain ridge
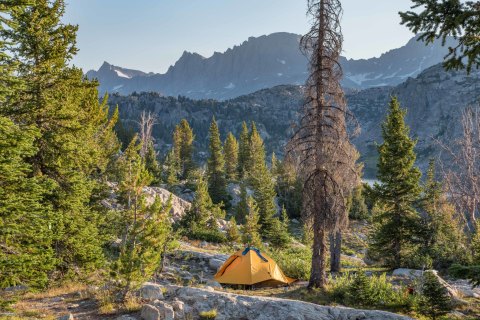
263	62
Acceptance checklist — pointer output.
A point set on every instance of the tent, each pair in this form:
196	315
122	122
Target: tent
251	267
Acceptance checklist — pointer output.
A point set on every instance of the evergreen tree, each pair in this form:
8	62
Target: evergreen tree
241	210
152	165
75	140
183	148
358	208
251	228
233	232
146	228
280	237
275	165
243	151
435	300
440	233
217	184
289	188
398	190
200	214
262	184
171	176
448	18
26	255
231	157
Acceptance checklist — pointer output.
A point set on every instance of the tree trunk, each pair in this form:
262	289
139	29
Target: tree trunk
318	277
335	251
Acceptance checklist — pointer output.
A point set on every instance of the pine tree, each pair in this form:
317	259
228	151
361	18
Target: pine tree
435	300
251	228
398	190
243	151
200	214
171	176
231	157
241	210
146	228
280	237
183	147
217	184
358	208
232	231
275	165
152	164
26	255
75	140
262	184
440	233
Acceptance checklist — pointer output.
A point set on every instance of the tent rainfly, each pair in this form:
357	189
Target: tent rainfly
251	267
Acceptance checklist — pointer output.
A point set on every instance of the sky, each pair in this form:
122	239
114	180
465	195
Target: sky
150	35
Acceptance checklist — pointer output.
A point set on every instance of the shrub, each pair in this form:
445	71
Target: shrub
294	262
211	314
434	301
209	235
466	272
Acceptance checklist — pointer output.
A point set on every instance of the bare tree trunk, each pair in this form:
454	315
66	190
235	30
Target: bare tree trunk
335	251
318	277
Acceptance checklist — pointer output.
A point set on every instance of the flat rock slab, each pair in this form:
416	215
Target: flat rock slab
234	306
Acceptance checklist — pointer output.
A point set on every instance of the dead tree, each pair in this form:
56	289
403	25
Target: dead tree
462	176
146	123
321	141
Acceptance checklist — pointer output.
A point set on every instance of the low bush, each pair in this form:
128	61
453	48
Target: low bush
214	235
294	262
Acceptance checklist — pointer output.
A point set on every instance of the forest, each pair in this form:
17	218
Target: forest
87	201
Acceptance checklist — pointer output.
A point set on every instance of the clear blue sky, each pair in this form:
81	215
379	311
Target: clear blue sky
150	35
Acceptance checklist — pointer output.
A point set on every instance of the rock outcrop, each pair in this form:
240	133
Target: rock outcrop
188	302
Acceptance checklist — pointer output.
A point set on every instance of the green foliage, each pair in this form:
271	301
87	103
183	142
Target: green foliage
217	183
434	301
152	164
440	232
398	191
289	188
146	228
295	262
466	272
74	142
475	245
241	210
280	237
251	228
211	314
231	157
233	233
358	208
262	184
243	151
26	255
183	148
441	19
171	174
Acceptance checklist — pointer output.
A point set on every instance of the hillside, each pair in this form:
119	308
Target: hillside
264	62
434	101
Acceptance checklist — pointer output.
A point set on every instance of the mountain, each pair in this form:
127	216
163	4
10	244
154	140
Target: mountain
435	100
264	62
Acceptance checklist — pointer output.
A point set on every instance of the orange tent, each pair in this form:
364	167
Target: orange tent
251	267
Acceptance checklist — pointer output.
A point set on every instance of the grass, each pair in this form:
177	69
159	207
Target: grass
211	314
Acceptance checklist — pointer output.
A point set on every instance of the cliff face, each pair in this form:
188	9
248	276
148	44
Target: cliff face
434	101
264	62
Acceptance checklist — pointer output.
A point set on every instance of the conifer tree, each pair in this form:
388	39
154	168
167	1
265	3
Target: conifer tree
398	190
251	228
183	147
217	184
26	255
146	228
171	175
358	208
233	232
63	108
243	151
152	164
200	217
275	165
262	184
440	233
241	210
435	300
280	237
231	157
